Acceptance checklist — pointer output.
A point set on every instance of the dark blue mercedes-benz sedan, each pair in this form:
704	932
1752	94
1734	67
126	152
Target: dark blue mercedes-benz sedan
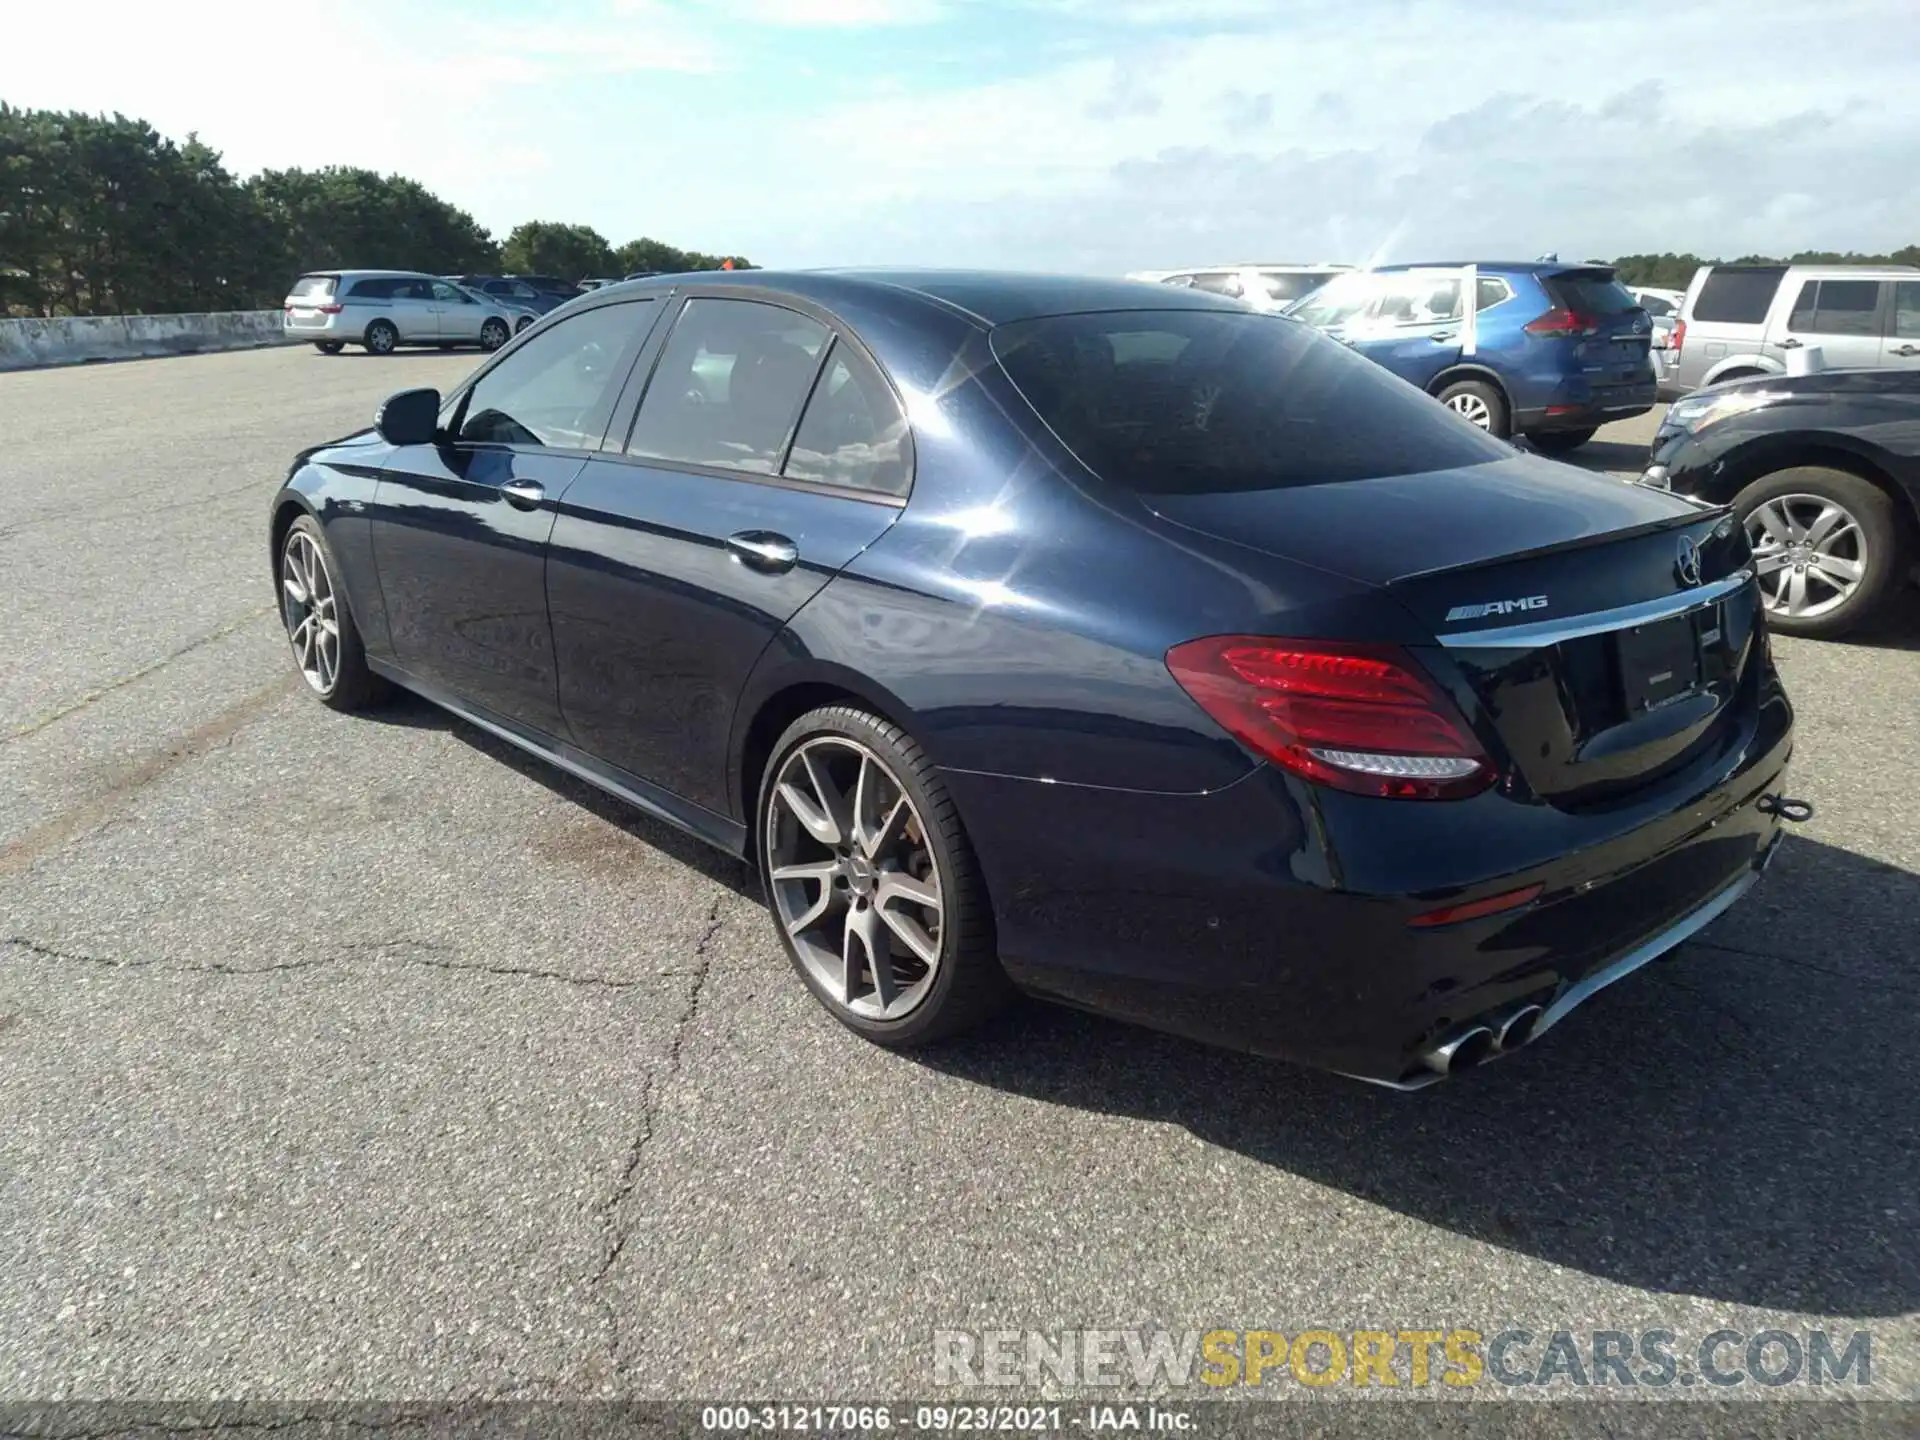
1105	641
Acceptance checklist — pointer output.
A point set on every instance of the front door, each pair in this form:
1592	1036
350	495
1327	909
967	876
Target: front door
460	527
414	310
1419	324
675	562
460	314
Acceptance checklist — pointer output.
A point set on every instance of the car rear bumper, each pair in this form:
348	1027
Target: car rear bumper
1262	917
1598	406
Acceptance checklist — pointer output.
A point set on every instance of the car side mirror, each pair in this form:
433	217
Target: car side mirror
410	418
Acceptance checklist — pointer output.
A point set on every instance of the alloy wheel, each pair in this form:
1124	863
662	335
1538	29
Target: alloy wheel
493	334
308	606
1809	553
1471	407
853	878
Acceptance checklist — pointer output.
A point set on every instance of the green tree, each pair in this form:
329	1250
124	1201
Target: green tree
545	247
667	259
341	216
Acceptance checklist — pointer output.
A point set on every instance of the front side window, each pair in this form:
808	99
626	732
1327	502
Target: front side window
729	383
450	294
412	290
853	433
1340	300
557	390
1203	402
1415	299
1837	307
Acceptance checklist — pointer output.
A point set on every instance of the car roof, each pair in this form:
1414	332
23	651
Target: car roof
363	274
1310	267
1509	267
988	297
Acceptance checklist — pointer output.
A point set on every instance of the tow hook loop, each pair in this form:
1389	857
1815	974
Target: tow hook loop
1794	812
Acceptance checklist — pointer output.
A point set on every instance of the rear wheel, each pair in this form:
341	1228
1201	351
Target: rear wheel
329	347
1478	403
382	338
873	886
1559	442
1826	545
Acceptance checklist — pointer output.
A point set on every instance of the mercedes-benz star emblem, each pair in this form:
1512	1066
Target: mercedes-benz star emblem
1686	564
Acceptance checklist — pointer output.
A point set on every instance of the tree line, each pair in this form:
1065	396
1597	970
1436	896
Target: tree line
1673	272
104	215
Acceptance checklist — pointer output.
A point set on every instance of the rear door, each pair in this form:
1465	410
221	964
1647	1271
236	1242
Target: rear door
1901	348
305	301
460	526
1417	325
1841	317
767	453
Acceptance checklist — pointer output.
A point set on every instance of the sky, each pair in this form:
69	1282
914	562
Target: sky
1087	135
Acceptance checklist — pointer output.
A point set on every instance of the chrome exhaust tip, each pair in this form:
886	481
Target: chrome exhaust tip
1517	1029
1462	1052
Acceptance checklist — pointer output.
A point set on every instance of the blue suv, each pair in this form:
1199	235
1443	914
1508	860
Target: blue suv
1548	350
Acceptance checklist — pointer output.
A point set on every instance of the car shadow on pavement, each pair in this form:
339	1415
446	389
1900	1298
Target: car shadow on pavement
1736	1122
409	710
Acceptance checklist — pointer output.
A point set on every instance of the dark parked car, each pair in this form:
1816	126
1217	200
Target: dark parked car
513	291
1546	350
1824	472
1114	643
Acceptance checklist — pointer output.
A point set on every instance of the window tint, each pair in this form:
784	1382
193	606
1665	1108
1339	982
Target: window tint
1654	305
314	287
1906	310
853	433
413	290
728	385
558	388
1738	297
1205	402
1490	292
1413	299
372	289
1837	307
450	295
1593	294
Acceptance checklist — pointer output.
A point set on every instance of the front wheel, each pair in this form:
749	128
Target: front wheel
1559	442
523	323
1478	403
1827	548
874	888
493	334
326	643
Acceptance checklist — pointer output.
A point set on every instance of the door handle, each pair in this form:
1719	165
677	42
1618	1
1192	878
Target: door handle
1907	350
524	494
1442	337
764	550
1790	344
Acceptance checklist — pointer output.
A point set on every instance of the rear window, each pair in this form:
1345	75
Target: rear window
1205	402
314	287
1593	293
374	289
1737	297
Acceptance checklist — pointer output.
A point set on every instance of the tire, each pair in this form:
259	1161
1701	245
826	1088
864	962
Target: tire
329	347
523	323
382	338
305	568
1559	442
494	334
817	917
1791	506
1478	403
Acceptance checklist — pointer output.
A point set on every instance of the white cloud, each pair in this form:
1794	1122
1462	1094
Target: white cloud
808	14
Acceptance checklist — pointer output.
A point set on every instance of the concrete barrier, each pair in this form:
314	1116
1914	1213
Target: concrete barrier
72	340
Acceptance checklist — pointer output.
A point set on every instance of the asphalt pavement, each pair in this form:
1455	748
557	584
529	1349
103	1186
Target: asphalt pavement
357	1057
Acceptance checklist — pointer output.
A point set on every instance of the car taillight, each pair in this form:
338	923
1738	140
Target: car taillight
1679	336
1562	321
329	309
1363	718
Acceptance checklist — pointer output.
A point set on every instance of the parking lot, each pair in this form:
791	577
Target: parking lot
359	1057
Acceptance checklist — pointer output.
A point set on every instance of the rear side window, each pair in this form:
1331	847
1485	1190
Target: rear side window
1737	297
853	433
1593	293
1837	307
1906	310
314	287
557	390
1490	291
373	289
1654	305
1203	402
728	386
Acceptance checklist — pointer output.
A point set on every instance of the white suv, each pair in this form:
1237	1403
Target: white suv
1266	287
385	309
1739	321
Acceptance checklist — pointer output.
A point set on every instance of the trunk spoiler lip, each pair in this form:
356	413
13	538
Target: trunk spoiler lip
1596	622
1705	512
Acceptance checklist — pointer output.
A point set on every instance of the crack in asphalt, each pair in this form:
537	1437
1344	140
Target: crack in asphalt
116	509
1797	963
607	1212
417	953
53	717
152	1418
